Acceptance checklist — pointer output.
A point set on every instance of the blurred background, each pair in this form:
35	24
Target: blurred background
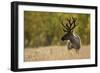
45	28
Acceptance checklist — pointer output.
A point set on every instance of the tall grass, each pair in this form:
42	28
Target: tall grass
55	53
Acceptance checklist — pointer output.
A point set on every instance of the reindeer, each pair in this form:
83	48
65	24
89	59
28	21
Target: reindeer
73	41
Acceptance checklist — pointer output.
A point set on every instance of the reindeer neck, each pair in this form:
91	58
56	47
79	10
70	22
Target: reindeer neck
71	37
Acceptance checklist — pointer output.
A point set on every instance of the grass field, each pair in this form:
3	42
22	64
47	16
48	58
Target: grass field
55	53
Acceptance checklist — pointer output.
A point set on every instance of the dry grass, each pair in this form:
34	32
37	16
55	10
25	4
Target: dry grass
55	53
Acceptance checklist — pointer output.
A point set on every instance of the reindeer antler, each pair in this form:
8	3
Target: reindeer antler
74	23
70	25
66	27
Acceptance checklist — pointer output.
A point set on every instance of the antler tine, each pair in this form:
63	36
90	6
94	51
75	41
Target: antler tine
65	30
70	22
66	27
73	22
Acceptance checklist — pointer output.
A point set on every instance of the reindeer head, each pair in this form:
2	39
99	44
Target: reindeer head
68	28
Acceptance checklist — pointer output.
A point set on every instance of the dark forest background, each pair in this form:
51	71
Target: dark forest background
45	29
